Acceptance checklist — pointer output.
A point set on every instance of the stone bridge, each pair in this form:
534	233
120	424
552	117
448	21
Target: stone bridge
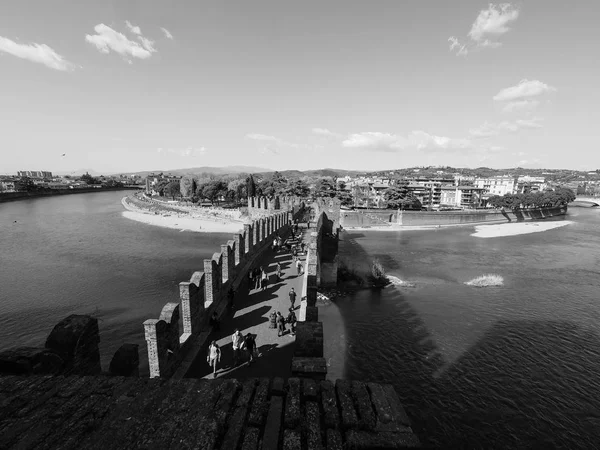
586	202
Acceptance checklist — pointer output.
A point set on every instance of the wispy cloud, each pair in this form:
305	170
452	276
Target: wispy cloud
107	39
275	142
490	129
38	53
134	29
325	132
525	89
520	106
419	140
490	24
462	48
167	33
186	152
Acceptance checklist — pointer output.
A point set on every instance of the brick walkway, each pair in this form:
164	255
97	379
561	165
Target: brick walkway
251	315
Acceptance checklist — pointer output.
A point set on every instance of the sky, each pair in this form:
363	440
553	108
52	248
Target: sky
132	85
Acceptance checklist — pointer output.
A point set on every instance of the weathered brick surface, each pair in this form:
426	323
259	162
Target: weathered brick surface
272	432
293	414
312	426
260	405
348	413
292	440
310	389
329	404
251	439
362	400
101	412
334	440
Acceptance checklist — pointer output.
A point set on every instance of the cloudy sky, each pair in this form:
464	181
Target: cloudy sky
126	85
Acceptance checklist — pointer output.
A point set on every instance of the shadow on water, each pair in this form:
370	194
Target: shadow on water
523	384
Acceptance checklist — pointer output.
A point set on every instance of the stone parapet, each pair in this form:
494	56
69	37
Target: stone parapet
134	413
207	292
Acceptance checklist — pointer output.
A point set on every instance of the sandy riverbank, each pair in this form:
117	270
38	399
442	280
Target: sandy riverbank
181	221
184	223
514	229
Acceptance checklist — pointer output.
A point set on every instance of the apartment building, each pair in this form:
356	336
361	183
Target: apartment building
500	185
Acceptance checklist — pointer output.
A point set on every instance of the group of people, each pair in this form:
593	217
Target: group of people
258	278
278	321
240	344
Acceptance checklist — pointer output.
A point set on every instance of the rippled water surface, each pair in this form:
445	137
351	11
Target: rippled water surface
504	367
76	254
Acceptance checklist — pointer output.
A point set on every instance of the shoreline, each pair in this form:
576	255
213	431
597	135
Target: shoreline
482	229
180	221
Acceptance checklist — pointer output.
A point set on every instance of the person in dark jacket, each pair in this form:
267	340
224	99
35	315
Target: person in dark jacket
291	319
250	347
281	325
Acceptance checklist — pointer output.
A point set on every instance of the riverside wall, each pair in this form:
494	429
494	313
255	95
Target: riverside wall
379	218
13	196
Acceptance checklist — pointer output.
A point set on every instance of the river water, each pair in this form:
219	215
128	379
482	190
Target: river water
514	366
77	254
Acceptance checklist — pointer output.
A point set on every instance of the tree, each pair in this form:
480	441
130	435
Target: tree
251	186
172	189
212	190
188	186
298	188
27	184
160	186
236	189
325	188
89	179
394	196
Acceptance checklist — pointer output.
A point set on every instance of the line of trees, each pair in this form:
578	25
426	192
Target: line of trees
236	189
558	197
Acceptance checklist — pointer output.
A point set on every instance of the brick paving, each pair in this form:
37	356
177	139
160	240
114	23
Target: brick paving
252	308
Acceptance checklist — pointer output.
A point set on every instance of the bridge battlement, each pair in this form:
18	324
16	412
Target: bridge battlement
264	206
116	412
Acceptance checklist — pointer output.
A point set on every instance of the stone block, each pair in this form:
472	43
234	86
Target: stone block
309	339
251	436
76	339
398	411
330	405
260	405
362	400
247	391
312	426
310	389
277	388
126	361
311	314
292	404
334	440
344	394
272	431
291	440
315	368
235	428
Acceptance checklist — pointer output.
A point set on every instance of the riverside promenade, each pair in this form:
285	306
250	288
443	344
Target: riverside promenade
251	310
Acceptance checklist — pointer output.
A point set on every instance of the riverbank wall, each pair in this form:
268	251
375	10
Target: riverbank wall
390	218
14	196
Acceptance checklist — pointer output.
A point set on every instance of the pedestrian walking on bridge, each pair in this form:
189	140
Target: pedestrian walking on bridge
214	356
292	298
